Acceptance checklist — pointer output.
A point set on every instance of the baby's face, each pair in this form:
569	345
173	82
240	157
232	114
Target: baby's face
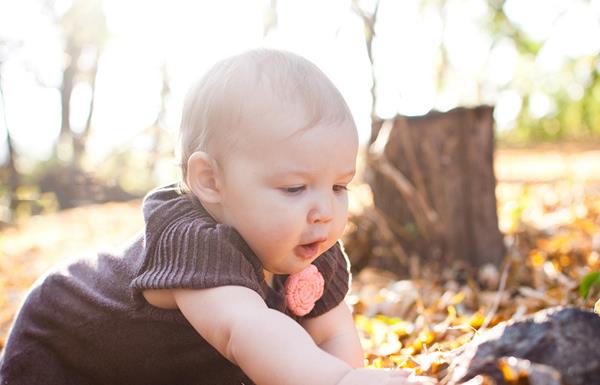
284	189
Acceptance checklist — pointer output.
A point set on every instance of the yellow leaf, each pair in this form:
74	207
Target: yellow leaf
477	320
536	258
457	298
451	312
508	372
377	363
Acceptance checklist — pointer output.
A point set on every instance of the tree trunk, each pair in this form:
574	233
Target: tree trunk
13	174
80	140
433	182
65	141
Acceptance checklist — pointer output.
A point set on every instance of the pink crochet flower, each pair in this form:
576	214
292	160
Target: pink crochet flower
303	289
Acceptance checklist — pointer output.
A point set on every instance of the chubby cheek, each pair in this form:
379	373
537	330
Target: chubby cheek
337	230
274	233
341	217
270	230
340	226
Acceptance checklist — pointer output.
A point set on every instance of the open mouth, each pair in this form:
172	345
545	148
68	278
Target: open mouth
308	250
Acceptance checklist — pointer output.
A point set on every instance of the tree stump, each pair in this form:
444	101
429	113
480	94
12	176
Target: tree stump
433	181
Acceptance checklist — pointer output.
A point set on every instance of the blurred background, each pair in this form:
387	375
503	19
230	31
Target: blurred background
91	93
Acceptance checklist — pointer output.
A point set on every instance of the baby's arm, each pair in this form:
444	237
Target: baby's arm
267	345
335	333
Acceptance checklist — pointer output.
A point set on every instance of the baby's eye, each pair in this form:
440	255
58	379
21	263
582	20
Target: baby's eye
339	188
294	190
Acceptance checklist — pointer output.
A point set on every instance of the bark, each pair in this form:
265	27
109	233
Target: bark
434	184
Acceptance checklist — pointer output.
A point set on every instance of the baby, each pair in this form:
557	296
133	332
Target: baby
239	277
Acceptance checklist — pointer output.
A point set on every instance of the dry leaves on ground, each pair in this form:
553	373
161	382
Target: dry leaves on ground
552	234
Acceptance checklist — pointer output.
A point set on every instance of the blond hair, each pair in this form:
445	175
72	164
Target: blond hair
215	104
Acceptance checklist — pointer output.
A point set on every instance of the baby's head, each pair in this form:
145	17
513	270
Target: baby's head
268	146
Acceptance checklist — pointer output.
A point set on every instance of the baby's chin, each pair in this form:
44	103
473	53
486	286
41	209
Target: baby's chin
288	271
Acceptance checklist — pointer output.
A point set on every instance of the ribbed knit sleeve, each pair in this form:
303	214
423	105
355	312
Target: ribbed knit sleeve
334	266
185	248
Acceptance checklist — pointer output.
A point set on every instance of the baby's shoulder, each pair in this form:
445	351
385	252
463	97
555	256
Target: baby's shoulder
161	298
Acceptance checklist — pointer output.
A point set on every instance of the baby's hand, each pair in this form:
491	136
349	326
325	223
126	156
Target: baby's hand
401	377
384	377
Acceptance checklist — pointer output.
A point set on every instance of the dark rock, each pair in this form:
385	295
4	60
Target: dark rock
553	346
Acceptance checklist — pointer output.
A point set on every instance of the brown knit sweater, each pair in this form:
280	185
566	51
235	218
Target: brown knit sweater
88	323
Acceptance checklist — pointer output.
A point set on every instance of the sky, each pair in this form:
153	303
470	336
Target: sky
189	36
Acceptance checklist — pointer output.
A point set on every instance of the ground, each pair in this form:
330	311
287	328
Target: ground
549	211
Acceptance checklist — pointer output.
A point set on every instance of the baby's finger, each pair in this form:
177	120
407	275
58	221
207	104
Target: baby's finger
401	372
410	380
422	380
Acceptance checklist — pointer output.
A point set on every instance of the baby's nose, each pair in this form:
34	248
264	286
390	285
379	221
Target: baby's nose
321	212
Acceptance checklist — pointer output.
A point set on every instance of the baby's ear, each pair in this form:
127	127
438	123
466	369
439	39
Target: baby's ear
203	177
